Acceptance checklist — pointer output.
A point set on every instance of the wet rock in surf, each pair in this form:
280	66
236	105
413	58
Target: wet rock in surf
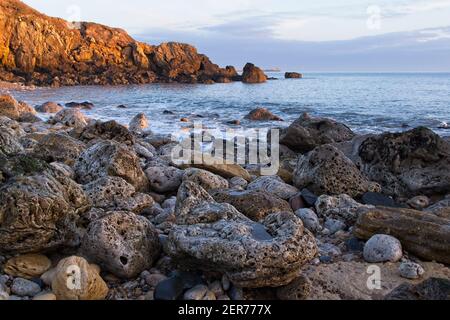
253	74
71	118
262	114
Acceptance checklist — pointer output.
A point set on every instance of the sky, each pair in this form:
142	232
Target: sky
320	35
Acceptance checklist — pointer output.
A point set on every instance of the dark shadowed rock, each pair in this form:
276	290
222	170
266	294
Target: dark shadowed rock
216	237
432	289
262	114
308	132
326	170
42	50
378	199
80	105
253	74
293	75
13	109
408	164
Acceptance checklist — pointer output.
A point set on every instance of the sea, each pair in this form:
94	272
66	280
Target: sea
366	102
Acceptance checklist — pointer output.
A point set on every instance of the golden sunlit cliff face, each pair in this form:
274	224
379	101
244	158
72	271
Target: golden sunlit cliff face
41	50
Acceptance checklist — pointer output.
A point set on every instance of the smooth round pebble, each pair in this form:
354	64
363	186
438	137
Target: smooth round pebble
383	248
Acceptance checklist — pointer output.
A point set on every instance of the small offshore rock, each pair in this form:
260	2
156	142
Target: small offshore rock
411	270
383	248
139	123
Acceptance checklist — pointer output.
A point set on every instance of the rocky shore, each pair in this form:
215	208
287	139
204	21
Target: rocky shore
44	51
104	206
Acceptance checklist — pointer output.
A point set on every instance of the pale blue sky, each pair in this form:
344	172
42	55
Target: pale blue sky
261	23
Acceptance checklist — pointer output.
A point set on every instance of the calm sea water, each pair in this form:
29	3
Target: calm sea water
366	102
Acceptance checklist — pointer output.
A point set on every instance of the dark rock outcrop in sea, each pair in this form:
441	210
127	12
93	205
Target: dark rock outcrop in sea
41	50
293	75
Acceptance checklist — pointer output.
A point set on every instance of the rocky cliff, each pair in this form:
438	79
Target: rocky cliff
41	50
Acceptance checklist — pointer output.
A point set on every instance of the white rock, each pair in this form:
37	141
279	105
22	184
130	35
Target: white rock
383	248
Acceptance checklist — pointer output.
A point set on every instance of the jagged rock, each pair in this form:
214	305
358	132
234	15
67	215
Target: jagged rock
63	169
39	212
293	75
49	107
262	114
28	266
307	133
441	208
299	289
216	237
326	170
86	280
11	108
109	130
432	289
256	205
274	185
207	180
70	118
408	164
383	248
109	158
9	144
253	74
122	243
58	147
164	178
378	199
42	50
341	207
422	234
139	123
115	194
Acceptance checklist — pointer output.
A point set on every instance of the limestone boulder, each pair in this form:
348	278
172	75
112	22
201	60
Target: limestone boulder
408	164
274	185
326	170
122	243
307	133
109	158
